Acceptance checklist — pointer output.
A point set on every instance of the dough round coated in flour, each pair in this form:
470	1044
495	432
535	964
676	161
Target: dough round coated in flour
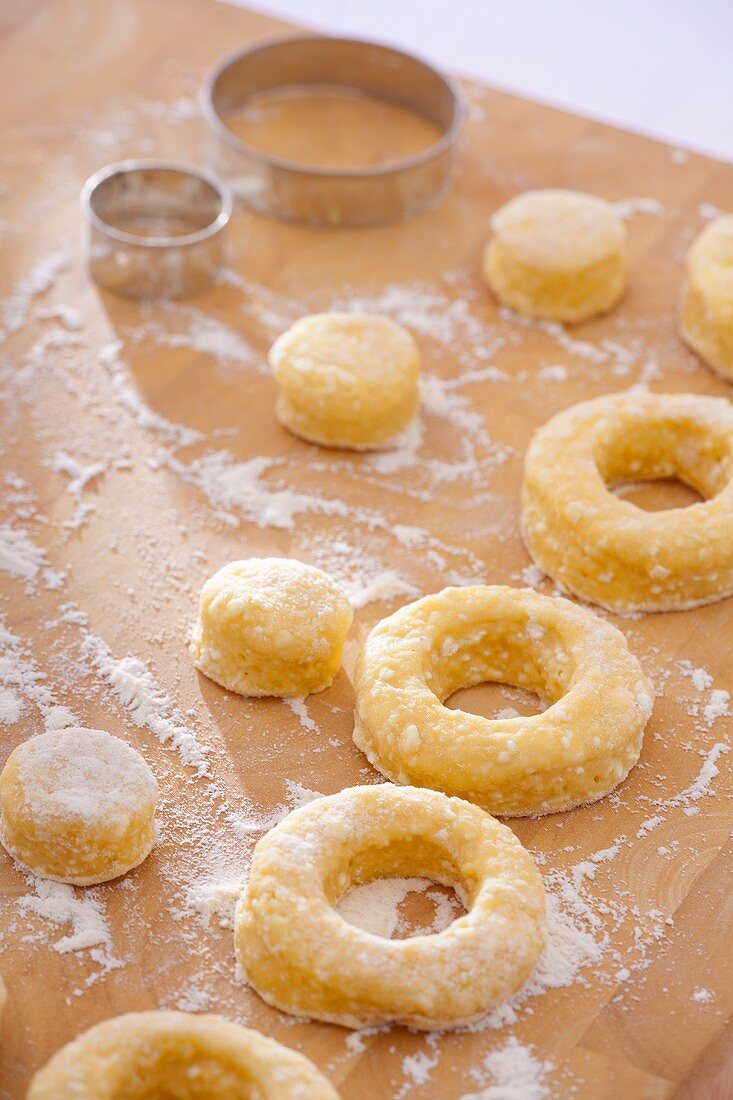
706	316
557	255
573	753
271	626
346	379
178	1056
305	958
605	549
77	805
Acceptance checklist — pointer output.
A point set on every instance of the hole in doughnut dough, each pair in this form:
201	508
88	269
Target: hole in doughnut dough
409	886
505	668
665	462
492	700
186	1072
660	495
400	908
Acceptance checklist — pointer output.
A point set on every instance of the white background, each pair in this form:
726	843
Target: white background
664	67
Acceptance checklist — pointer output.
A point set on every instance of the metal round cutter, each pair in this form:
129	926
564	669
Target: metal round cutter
330	196
155	228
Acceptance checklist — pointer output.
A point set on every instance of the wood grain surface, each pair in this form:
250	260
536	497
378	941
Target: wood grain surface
118	560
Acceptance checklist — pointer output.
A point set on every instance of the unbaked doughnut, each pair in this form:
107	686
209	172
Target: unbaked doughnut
271	626
557	255
146	1055
706	319
574	752
346	379
304	958
607	550
77	805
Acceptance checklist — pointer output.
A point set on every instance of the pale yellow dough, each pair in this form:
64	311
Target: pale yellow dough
177	1056
77	805
607	550
706	316
346	379
557	255
573	753
271	626
304	958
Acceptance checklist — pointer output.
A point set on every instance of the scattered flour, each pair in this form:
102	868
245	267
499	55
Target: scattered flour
700	787
211	898
298	706
249	822
297	795
702	996
214	892
80	476
148	705
701	678
22	681
629	208
375	906
61	904
14	310
556	372
515	1073
418	1067
425	310
649	825
129	398
67	316
19	555
11	706
239	487
708	211
192	998
206	336
440	398
387	584
617	357
533	576
717	707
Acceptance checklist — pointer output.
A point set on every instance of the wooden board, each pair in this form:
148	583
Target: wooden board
118	565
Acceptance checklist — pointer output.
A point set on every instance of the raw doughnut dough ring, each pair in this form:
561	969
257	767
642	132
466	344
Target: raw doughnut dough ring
304	958
271	626
706	318
575	752
557	255
346	379
607	550
77	805
177	1055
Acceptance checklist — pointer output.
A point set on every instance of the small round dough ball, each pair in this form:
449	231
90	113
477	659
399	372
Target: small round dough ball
706	316
271	626
557	255
77	805
346	379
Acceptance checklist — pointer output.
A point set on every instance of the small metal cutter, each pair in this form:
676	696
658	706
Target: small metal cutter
333	196
155	228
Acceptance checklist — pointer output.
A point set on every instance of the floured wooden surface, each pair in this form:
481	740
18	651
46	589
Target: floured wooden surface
140	452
